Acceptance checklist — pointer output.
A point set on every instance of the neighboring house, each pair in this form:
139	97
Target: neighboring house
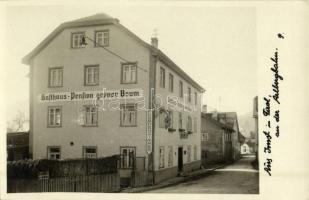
216	141
230	120
97	61
245	149
17	146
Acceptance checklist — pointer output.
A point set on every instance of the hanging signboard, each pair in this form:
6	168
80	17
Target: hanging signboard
149	131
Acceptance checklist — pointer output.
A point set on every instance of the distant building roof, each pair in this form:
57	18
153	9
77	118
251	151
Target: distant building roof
104	19
210	119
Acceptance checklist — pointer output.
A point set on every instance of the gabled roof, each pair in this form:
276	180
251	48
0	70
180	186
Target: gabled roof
227	118
104	19
211	120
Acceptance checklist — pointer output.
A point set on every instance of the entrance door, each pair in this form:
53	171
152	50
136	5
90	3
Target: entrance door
180	159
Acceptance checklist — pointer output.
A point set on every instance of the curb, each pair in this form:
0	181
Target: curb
181	180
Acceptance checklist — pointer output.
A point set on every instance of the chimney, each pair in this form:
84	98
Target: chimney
204	109
154	42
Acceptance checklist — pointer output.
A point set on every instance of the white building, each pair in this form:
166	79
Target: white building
97	58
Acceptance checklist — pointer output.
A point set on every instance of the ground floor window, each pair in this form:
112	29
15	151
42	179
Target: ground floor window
189	154
89	152
170	156
54	153
161	157
195	152
127	156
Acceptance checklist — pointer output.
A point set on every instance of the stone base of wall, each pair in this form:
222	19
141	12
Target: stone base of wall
165	174
192	166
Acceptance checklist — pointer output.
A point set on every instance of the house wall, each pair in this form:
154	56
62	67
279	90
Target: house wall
108	136
214	146
165	138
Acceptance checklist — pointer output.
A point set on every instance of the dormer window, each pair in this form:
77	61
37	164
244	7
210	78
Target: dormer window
101	38
76	40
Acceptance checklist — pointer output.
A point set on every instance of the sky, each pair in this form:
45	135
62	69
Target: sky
215	45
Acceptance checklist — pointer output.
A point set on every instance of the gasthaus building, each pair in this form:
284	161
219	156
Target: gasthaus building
98	90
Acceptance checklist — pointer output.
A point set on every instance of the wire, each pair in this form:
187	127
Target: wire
115	54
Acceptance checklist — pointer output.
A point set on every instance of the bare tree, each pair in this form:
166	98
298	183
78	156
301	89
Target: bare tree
17	124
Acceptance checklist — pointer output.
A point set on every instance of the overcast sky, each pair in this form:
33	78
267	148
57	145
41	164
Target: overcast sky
216	46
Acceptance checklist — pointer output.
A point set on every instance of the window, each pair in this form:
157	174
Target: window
161	157
90	152
55	77
170	156
180	89
195	125
189	94
195	98
54	116
180	120
90	115
170	115
101	38
53	153
128	115
189	124
162	77
189	154
195	152
162	117
76	40
129	73
205	136
91	75
171	82
127	157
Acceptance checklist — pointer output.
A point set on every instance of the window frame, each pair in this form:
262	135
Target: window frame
122	73
180	89
48	152
48	120
170	82
121	160
162	116
95	38
195	153
86	74
89	147
161	159
121	114
97	116
189	123
170	156
189	94
189	153
171	115
79	32
180	120
49	76
162	78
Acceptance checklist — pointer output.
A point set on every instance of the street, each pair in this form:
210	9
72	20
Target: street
237	178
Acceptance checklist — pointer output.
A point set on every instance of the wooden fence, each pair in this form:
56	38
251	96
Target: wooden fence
92	183
140	178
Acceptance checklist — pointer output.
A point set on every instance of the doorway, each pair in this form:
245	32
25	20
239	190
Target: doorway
180	159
